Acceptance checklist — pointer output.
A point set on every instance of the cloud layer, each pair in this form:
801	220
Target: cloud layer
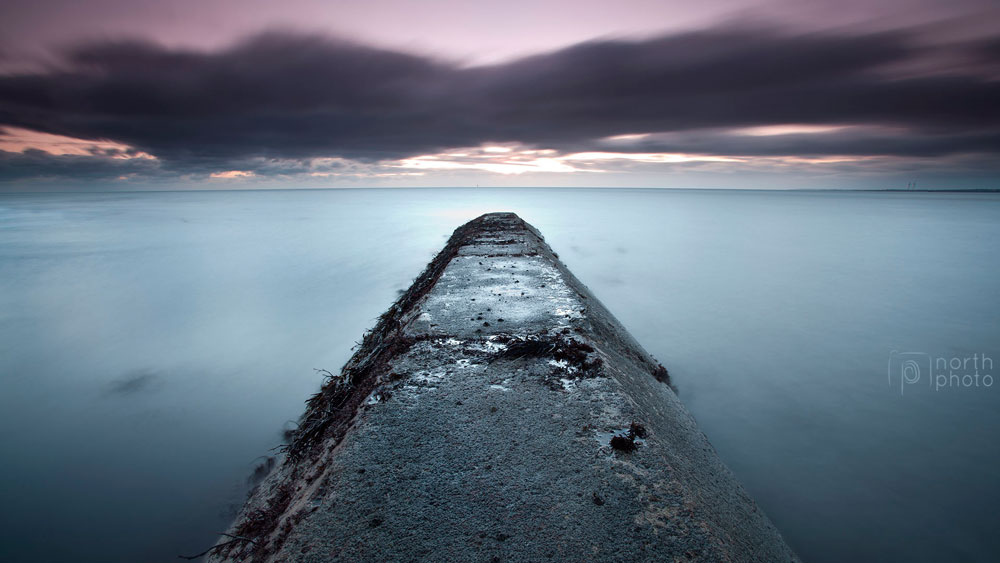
293	97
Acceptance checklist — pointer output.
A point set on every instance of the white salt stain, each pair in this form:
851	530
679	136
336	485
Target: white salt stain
550	273
490	346
428	377
502	386
567	384
495	346
563	365
568	313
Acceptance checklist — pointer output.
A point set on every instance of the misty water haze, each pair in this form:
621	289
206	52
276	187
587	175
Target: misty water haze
154	345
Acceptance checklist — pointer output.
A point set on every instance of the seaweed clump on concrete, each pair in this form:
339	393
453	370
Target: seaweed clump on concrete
626	443
637	430
663	376
259	524
575	353
623	443
261	471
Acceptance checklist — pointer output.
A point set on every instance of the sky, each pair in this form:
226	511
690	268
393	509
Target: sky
222	94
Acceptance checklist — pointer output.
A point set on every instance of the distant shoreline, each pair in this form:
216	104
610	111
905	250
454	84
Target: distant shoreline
77	191
964	191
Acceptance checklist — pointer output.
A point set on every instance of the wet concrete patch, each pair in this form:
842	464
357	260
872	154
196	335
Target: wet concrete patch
482	295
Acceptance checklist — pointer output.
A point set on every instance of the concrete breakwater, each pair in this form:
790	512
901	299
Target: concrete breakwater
498	412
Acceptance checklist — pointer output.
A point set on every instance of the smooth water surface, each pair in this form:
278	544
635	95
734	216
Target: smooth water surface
154	345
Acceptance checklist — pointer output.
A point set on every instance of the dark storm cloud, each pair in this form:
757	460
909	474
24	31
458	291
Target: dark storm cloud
729	79
292	96
989	51
35	164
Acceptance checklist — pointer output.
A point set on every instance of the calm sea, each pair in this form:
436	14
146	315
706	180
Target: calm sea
154	345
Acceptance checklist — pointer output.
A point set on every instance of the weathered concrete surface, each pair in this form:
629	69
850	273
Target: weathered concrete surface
474	425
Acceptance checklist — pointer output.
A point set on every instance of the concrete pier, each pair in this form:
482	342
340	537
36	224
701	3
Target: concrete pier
498	412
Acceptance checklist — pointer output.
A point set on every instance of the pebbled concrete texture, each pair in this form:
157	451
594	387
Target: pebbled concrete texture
475	422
